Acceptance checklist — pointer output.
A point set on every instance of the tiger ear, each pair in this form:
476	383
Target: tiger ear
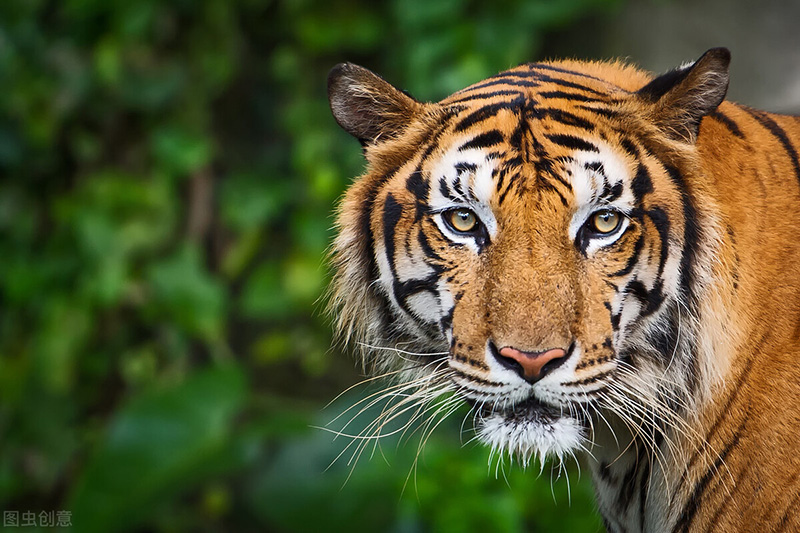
682	97
367	106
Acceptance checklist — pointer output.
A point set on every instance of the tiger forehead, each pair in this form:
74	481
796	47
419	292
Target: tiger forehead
539	96
599	81
519	122
526	132
506	156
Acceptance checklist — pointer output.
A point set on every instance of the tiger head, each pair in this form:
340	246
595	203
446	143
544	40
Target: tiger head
533	243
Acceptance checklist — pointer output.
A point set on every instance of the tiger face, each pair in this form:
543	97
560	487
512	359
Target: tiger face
536	234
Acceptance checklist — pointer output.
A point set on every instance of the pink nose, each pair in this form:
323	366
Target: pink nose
533	363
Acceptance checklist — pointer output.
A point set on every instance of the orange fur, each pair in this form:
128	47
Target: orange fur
683	379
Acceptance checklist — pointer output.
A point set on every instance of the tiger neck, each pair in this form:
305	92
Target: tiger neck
637	478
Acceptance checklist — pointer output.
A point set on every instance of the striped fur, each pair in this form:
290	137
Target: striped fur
680	384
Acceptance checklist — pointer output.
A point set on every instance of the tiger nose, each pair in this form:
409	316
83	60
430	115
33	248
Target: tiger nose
532	366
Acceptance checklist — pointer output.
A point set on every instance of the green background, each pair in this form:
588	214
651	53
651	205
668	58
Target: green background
169	172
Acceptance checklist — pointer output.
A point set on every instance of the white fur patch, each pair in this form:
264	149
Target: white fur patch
532	438
587	186
424	305
471	189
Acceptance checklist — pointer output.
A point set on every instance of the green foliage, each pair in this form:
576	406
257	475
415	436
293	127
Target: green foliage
394	485
160	442
170	170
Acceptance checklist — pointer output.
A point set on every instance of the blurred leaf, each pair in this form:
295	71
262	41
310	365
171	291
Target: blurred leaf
158	445
181	151
263	295
393	485
249	201
62	338
184	291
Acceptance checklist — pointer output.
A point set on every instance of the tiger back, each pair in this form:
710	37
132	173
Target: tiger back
600	263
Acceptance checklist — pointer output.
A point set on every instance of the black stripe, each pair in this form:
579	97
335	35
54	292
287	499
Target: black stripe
625	492
562	95
458	189
515	161
500	175
572	142
444	189
503	194
518	142
779	134
595	362
722	416
628	482
615	320
642	184
691	236
535	73
571	85
488	111
565	118
416	184
420	188
429	252
629	147
602	111
693	503
660	220
665	339
447	321
595	166
485	95
590	379
633	259
444	123
651	299
726	120
365	224
484	140
725	504
501	81
644	492
471	362
604	468
517	74
476	379
562	70
560	179
611	192
790	508
405	289
462	167
392	213
547	185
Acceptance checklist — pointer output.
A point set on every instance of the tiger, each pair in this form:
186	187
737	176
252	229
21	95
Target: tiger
600	262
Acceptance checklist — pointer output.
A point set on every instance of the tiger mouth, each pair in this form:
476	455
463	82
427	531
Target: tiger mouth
526	411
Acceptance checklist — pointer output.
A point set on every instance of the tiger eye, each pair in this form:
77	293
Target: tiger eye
462	220
605	221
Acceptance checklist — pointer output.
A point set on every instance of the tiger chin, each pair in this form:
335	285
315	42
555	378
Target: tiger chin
601	263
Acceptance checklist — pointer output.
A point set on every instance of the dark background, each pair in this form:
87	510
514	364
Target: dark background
168	173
